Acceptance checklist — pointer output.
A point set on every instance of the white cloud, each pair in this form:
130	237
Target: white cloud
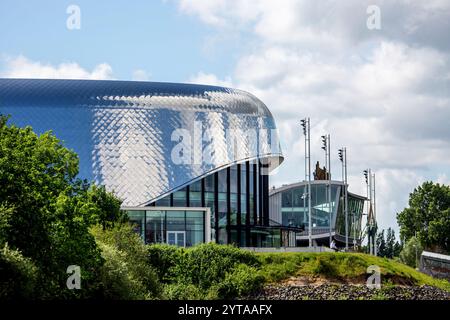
140	75
22	67
384	94
210	79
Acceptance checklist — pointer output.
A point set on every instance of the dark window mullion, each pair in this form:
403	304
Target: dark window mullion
216	205
247	195
255	191
203	192
239	222
188	204
228	206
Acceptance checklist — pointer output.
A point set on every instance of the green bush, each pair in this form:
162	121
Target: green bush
206	264
126	273
17	275
241	281
217	271
163	258
411	252
182	291
118	282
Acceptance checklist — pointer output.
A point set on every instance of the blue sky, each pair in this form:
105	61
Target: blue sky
149	35
383	92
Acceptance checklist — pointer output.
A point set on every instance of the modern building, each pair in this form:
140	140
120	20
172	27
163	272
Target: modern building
190	162
289	207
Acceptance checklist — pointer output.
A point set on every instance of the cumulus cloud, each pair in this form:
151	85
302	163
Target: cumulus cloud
210	79
385	94
140	75
22	67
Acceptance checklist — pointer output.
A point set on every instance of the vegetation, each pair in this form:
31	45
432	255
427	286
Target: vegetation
387	246
45	216
126	273
411	253
341	267
206	271
427	217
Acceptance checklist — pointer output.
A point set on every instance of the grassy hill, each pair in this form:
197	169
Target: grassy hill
341	267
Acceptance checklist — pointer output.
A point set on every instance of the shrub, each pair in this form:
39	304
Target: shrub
217	271
241	281
205	264
126	260
163	258
182	291
118	282
411	252
17	275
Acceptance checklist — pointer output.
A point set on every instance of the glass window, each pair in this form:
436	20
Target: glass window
179	198
137	220
223	208
234	208
233	179
243	179
223	237
243	210
196	186
164	202
251	177
209	183
175	220
298	197
194	227
286	199
195	199
154	228
223	180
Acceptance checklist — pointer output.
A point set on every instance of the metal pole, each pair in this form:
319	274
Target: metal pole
346	201
329	184
374	216
309	185
306	177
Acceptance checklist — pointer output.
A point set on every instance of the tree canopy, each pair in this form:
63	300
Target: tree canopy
427	217
46	213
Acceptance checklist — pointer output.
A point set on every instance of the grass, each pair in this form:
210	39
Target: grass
341	266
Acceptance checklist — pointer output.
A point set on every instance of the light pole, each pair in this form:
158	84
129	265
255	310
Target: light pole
371	214
307	132
326	146
374	216
367	176
343	158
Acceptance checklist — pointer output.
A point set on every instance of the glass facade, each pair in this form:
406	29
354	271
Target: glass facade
233	196
180	227
294	206
294	209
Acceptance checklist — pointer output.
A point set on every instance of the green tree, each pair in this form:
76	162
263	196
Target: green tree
46	213
411	252
390	243
427	217
381	244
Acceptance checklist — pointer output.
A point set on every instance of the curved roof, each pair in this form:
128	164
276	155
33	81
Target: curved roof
304	183
145	139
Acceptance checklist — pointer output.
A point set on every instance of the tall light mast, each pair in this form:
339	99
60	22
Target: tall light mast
307	132
326	146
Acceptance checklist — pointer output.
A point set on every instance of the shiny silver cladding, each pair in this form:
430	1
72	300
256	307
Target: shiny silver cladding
123	131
